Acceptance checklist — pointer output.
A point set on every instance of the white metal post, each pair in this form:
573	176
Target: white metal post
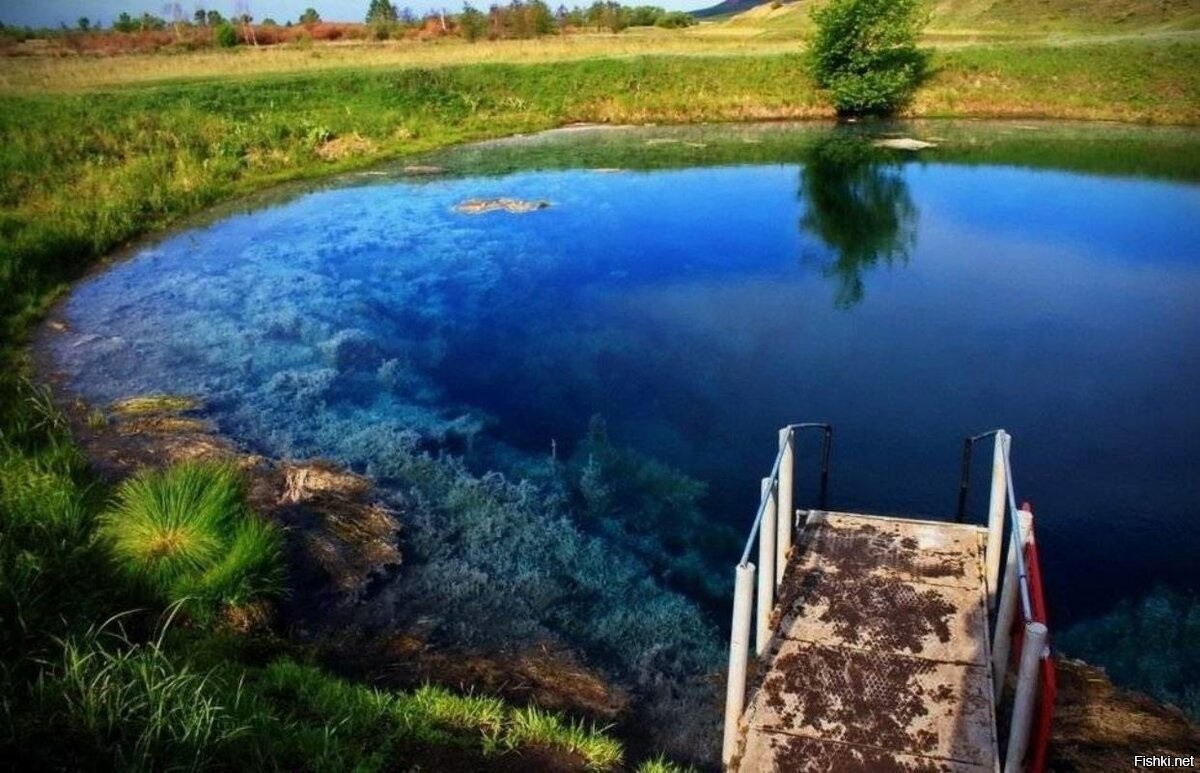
739	654
766	563
786	487
1032	650
1010	596
995	538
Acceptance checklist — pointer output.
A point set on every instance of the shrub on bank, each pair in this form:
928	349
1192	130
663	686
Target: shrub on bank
864	52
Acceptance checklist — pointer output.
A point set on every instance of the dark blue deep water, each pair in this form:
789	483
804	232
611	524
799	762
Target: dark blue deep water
696	310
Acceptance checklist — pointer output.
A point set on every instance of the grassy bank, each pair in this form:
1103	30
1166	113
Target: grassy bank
82	173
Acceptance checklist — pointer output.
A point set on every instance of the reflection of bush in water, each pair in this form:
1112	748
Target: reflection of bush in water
1153	646
652	509
858	205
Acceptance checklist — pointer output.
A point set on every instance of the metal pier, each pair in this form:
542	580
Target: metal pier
872	647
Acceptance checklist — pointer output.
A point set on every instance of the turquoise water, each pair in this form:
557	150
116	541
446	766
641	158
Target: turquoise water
629	351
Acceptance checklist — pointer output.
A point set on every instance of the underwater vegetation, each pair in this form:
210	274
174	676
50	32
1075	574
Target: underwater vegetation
1152	644
655	511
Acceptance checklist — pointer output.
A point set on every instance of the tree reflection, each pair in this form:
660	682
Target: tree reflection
856	203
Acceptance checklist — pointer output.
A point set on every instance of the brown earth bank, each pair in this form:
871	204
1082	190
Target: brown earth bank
344	544
1100	727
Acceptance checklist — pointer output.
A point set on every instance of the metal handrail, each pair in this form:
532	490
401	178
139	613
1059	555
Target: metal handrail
774	542
1017	539
774	478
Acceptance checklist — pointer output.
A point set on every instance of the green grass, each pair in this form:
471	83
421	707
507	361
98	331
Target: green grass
661	765
186	535
138	706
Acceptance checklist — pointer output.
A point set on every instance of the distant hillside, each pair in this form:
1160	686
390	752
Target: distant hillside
1010	15
727	8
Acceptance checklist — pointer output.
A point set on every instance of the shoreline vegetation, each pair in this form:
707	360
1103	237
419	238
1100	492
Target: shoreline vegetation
98	151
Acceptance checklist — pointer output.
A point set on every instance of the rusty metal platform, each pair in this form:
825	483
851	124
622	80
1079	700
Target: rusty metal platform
879	658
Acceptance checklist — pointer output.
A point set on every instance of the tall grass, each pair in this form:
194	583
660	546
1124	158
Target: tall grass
433	715
186	535
137	704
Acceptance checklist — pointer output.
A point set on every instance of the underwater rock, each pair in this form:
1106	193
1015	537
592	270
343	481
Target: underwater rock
145	405
513	206
422	169
352	349
303	482
903	143
350	544
161	425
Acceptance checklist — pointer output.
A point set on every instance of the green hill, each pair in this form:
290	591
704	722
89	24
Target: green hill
781	19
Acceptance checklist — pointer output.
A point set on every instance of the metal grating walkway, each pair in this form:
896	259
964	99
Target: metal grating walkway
880	658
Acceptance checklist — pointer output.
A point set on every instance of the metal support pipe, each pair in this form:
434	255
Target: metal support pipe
1007	612
1032	651
785	490
739	655
766	564
964	480
995	538
826	446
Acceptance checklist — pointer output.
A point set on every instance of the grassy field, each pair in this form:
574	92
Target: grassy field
95	152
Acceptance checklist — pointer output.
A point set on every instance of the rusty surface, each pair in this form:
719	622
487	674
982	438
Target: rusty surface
879	660
782	753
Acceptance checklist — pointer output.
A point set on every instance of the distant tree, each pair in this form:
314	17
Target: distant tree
472	23
539	20
595	14
269	22
200	18
675	20
151	22
864	53
227	36
381	11
85	24
310	16
644	15
124	23
214	18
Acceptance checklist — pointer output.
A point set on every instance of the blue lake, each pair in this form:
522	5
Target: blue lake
696	310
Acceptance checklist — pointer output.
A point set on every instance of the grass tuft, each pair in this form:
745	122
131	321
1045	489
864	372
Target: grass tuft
186	533
661	764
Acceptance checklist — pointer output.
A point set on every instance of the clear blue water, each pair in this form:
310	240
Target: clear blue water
696	310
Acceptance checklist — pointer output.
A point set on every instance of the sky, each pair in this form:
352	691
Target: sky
50	13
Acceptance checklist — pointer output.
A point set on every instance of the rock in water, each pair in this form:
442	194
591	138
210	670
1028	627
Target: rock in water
904	143
514	206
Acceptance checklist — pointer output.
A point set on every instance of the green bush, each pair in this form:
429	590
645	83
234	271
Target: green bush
675	20
185	534
864	53
227	36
